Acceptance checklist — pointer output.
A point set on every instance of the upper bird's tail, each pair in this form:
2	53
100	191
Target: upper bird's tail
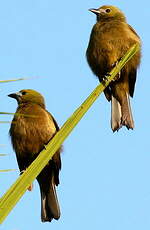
121	114
49	202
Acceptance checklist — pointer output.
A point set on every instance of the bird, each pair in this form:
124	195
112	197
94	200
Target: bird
111	37
31	129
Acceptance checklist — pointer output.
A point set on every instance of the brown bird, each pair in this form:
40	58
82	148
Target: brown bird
110	39
32	128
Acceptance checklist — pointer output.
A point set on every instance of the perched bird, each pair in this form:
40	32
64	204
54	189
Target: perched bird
32	128
110	39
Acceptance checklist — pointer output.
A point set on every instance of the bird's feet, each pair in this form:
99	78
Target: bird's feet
105	77
30	188
119	74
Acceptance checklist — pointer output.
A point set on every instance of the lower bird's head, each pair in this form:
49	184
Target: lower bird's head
108	12
28	96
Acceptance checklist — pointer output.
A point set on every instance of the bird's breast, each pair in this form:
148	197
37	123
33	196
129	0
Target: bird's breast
29	135
108	43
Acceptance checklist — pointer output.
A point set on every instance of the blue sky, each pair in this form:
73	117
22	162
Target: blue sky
105	176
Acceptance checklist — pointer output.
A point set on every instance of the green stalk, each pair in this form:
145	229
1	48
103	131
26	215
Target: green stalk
7	170
17	79
12	196
5	113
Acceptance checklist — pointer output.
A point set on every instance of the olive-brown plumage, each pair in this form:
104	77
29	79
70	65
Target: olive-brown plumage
110	39
32	128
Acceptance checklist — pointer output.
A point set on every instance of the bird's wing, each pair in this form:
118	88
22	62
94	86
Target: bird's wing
56	158
55	123
132	80
133	73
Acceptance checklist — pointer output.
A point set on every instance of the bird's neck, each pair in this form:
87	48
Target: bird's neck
27	104
111	19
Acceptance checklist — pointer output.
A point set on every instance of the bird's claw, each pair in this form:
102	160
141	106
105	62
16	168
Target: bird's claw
30	188
21	172
119	74
105	77
117	77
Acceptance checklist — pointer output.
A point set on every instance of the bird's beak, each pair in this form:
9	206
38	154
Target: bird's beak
95	11
13	95
16	96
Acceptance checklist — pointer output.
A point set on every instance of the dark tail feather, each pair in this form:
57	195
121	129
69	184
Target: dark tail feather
49	204
121	114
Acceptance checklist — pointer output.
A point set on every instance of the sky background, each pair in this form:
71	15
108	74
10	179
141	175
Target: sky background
105	178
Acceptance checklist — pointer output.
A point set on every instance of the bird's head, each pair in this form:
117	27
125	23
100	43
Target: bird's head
28	96
108	12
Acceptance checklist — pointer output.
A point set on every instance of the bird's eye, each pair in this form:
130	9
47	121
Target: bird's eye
23	93
108	10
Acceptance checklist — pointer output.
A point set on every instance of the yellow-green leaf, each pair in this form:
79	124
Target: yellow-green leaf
17	79
12	196
7	170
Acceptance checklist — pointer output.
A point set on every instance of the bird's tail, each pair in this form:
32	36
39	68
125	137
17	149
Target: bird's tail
115	114
121	114
49	203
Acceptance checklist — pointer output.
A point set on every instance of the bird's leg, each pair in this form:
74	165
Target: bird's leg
104	78
119	74
30	188
31	185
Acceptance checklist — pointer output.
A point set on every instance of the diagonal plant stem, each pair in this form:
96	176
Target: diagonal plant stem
7	170
17	79
6	113
15	192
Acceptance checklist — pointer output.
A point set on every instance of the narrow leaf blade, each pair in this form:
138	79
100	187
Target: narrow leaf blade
12	196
